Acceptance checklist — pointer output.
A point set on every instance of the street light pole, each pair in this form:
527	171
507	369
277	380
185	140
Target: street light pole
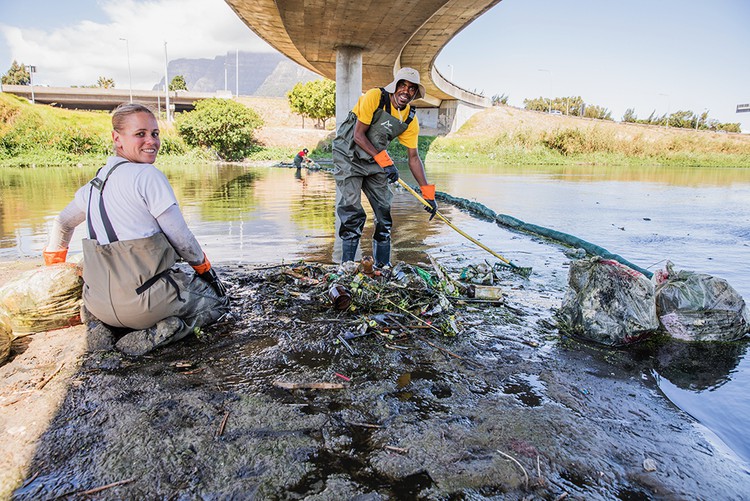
549	108
166	82
237	75
698	119
130	76
667	96
32	70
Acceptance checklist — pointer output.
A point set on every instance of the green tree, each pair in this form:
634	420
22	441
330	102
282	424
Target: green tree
729	127
178	83
571	105
223	125
630	116
682	119
600	112
105	83
538	104
315	99
16	75
499	99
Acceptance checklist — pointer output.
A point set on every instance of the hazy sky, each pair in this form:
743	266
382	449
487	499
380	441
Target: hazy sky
650	55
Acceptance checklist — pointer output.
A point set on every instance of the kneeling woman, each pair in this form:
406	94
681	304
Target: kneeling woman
136	234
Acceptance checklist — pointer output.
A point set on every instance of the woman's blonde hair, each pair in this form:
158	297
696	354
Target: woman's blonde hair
123	111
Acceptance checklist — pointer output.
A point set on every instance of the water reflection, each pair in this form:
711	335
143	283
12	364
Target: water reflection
699	366
698	218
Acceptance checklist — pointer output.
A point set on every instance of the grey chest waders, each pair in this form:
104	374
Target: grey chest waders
127	283
356	171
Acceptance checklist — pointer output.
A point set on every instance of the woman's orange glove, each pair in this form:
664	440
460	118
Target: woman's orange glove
205	272
54	257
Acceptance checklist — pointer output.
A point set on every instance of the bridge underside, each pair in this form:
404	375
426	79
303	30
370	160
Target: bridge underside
388	34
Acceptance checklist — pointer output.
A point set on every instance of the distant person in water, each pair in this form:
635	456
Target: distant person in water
136	235
301	158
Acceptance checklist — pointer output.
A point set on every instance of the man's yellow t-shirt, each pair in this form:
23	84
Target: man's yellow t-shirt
366	106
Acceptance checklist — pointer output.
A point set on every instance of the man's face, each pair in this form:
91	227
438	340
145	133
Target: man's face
405	93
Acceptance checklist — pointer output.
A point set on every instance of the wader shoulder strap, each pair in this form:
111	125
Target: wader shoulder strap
99	185
385	102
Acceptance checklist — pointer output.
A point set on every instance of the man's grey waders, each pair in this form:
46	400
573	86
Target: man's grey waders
356	171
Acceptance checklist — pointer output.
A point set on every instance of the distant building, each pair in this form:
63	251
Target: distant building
741	108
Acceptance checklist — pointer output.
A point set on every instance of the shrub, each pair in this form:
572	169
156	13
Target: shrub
223	125
80	142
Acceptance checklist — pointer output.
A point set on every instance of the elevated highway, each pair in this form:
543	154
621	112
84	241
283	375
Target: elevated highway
361	44
96	98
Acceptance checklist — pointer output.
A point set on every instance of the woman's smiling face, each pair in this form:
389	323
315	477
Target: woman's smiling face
138	138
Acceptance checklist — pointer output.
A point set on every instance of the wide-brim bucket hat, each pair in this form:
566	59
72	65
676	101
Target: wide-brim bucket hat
410	75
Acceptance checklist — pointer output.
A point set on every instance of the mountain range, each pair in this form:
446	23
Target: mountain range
260	74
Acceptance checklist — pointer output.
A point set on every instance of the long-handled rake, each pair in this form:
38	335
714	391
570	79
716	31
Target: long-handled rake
523	271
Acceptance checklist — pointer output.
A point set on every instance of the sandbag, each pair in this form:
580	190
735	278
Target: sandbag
699	307
6	336
608	302
43	299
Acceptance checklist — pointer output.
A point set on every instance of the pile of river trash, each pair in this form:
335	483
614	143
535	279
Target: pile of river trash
390	301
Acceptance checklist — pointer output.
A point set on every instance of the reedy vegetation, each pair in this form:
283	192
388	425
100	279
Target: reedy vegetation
508	135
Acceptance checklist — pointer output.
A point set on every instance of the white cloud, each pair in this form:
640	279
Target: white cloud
79	54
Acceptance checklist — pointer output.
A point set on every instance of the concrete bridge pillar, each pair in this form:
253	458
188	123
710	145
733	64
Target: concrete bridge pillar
348	90
348	80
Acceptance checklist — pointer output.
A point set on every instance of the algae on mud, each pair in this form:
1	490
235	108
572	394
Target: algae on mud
414	422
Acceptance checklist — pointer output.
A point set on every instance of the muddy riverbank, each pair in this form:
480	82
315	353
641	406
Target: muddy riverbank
506	409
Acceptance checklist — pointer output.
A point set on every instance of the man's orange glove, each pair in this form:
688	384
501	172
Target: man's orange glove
428	193
384	160
54	257
205	272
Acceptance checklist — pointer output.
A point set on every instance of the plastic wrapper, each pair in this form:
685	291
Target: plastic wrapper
43	299
608	303
699	307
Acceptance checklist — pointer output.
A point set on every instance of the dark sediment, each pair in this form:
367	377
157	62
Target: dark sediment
507	409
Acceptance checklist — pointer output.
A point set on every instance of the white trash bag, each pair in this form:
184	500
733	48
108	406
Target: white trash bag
699	307
608	303
43	299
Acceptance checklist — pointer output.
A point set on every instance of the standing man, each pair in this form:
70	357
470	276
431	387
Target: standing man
361	162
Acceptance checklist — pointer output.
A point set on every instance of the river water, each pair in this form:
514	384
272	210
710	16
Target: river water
698	218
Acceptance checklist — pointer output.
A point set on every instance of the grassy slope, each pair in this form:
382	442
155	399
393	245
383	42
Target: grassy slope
512	135
42	134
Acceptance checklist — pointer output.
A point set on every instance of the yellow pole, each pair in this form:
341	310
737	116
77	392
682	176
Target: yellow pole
462	233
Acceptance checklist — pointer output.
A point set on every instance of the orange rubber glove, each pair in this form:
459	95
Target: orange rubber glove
203	267
383	159
54	257
205	272
428	193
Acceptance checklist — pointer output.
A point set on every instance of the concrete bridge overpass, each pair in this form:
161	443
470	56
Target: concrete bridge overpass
361	44
96	98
